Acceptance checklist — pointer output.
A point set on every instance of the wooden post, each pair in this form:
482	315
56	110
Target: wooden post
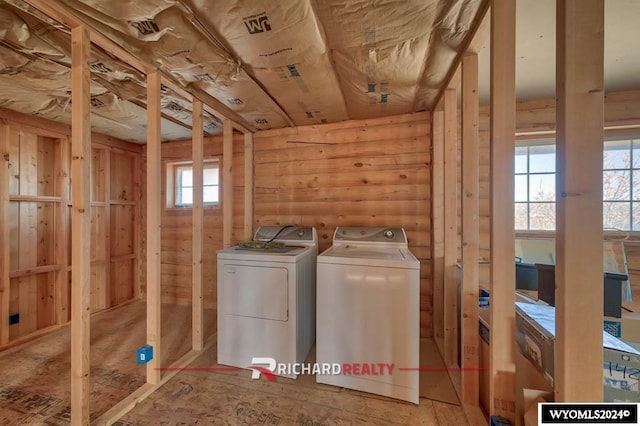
450	227
106	153
502	151
154	208
5	248
137	175
579	268
197	143
470	229
437	223
62	234
80	225
248	186
227	183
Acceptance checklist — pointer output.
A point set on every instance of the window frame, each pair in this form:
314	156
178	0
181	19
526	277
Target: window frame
610	135
172	191
528	144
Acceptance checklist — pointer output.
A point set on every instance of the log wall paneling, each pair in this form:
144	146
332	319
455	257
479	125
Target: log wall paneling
502	273
81	225
470	231
153	227
355	173
450	353
580	119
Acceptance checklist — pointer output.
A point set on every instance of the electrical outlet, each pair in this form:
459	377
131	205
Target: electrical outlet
14	318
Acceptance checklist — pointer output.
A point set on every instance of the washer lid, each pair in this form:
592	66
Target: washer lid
393	257
368	252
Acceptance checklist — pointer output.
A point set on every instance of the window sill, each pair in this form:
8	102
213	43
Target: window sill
209	210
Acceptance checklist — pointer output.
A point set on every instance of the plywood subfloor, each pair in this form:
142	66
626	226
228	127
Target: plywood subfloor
232	397
35	377
34	384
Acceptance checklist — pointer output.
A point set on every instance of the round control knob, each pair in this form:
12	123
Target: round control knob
300	233
389	233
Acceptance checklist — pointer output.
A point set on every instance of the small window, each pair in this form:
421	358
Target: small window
180	183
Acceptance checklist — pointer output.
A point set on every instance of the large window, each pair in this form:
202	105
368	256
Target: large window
535	186
621	185
180	183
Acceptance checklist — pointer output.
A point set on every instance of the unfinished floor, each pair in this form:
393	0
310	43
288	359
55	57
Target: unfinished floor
34	383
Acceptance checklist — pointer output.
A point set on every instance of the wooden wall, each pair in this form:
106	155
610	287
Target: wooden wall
536	120
39	201
176	225
355	173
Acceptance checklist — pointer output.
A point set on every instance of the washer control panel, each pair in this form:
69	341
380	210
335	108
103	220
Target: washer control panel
369	235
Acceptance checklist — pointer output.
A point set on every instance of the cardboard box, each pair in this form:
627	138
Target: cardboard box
535	336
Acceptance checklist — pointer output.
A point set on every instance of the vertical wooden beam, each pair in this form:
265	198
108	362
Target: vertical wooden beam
106	163
437	223
197	143
136	225
80	225
62	234
580	120
450	227
248	186
227	183
470	229
502	151
5	248
154	208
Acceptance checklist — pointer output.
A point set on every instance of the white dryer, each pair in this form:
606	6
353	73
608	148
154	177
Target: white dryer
368	312
266	298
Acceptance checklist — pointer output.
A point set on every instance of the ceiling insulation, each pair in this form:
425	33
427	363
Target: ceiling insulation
273	63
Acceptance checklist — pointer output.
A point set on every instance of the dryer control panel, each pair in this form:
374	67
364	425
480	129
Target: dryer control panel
288	234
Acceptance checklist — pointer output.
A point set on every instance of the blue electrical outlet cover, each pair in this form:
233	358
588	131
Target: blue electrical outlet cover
499	421
14	318
145	354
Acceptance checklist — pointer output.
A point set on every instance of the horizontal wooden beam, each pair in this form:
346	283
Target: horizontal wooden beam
140	394
34	271
35	198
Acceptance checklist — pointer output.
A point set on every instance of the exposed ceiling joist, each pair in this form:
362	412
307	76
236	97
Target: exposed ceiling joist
61	13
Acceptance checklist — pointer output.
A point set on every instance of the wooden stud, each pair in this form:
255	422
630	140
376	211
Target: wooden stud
502	270
248	186
227	183
197	228
136	226
437	224
154	208
450	354
80	225
579	251
470	230
5	241
106	164
62	232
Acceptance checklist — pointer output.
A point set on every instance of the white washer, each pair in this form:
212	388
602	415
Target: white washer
368	291
266	298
